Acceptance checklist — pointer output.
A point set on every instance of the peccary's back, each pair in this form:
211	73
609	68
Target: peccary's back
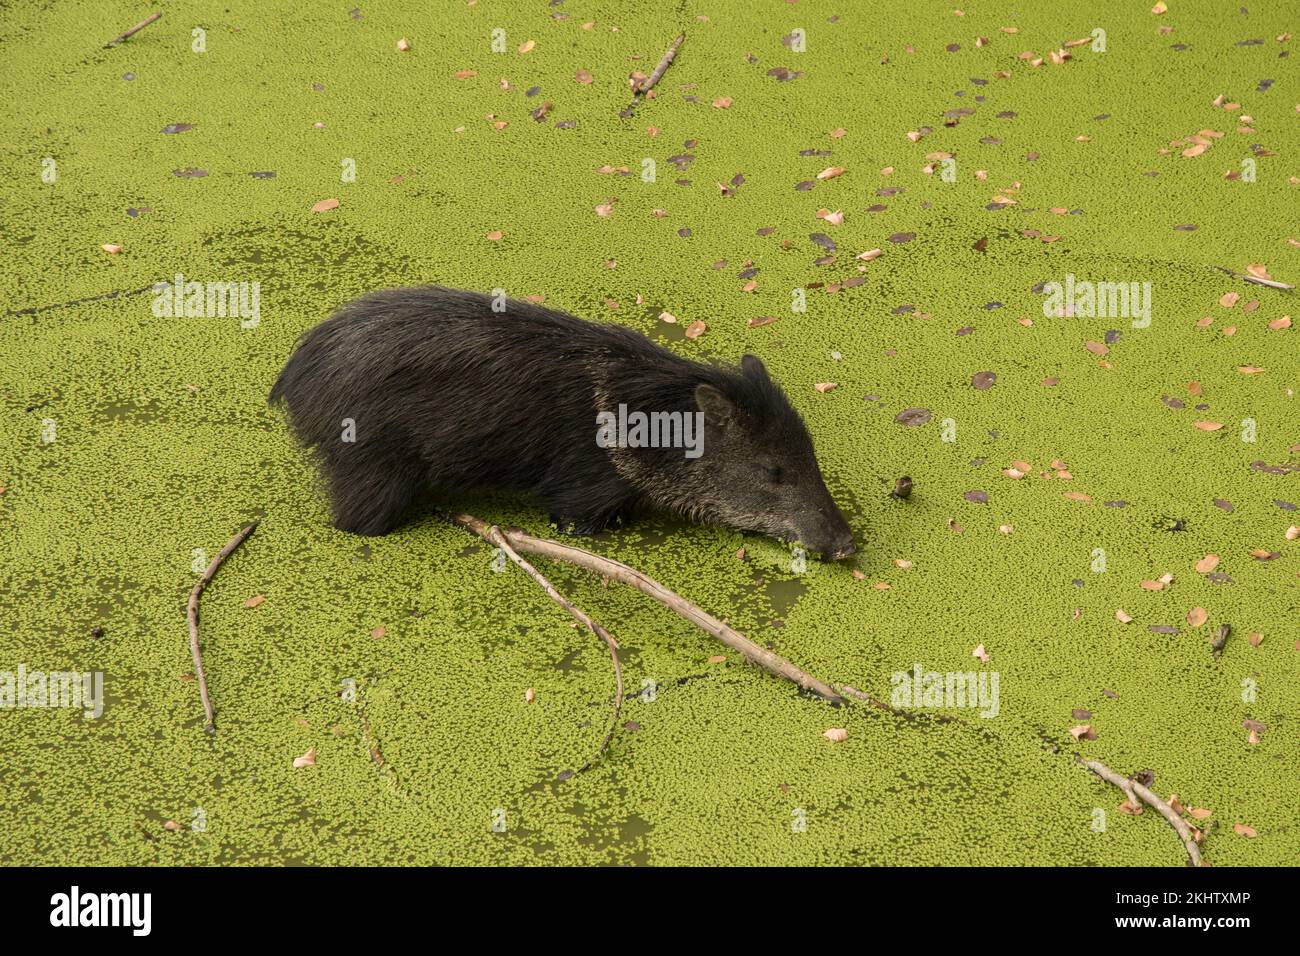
482	397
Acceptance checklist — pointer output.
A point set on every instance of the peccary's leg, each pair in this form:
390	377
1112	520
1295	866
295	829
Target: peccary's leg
369	493
581	514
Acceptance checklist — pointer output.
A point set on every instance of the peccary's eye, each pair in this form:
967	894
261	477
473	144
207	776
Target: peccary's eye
774	474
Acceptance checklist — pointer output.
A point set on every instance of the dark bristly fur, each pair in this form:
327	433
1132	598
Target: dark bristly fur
446	393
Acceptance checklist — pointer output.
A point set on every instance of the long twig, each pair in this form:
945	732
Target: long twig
645	86
133	31
494	535
616	570
32	310
193	616
1135	790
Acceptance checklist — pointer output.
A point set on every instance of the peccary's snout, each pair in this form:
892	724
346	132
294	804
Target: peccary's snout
830	535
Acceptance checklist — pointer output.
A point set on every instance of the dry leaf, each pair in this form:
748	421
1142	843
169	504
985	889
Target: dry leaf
254	601
1207	564
836	734
824	387
1197	616
378	632
527	46
403	44
530	695
722	102
1242	830
830	172
980	653
306	760
325	205
1122	616
1200	813
1083	732
695	329
495	235
1208	426
113	249
717	659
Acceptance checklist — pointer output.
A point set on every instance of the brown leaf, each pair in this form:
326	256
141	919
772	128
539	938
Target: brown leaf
695	329
325	205
254	601
1242	830
1197	616
836	735
1207	564
306	760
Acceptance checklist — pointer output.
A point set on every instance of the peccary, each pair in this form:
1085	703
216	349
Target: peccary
431	387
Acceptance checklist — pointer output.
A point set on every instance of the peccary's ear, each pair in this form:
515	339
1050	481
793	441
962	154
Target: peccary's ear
754	368
716	406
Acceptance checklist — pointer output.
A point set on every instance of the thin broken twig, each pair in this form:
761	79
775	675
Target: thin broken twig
133	31
645	86
193	616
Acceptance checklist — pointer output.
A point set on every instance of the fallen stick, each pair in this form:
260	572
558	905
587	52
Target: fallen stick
1271	283
607	567
133	31
32	310
193	616
1135	790
645	86
648	84
494	535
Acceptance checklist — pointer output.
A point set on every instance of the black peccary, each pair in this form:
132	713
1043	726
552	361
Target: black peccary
443	392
